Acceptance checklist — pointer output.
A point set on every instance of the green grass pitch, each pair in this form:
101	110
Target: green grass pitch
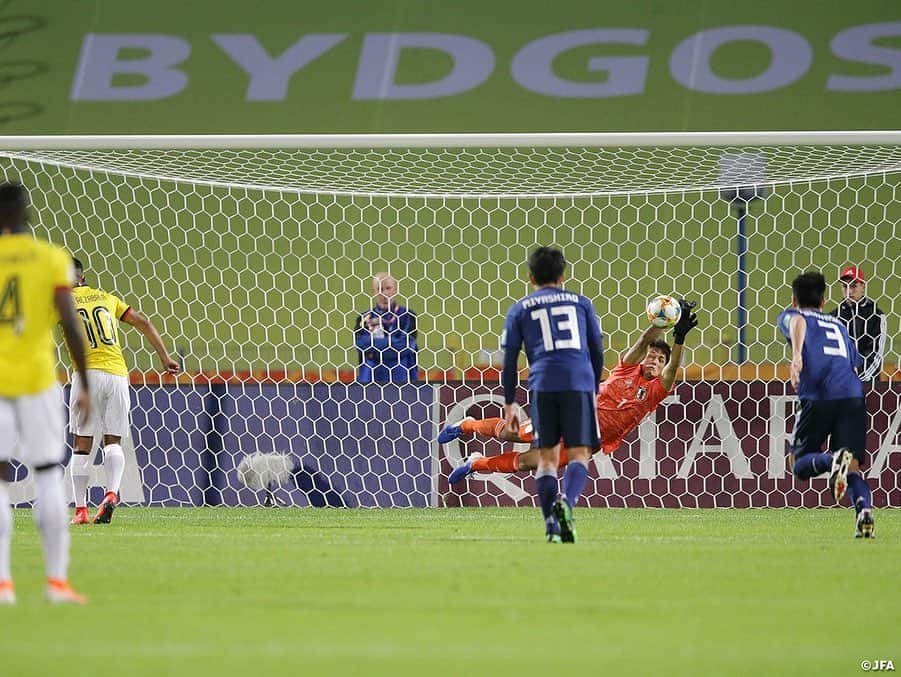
460	591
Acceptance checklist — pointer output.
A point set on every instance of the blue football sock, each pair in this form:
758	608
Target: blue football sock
811	465
547	493
574	479
859	492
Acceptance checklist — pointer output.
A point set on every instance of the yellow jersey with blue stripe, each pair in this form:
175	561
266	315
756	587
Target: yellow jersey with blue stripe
100	313
31	271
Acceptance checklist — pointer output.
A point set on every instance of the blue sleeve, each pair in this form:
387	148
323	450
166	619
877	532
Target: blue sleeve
595	342
511	342
783	324
406	338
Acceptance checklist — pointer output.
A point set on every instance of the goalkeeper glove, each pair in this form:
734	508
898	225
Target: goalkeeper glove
687	321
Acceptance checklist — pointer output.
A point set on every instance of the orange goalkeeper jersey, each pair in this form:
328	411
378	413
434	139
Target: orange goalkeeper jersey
624	399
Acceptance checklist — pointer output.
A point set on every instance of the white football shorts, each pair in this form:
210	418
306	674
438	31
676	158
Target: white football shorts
33	428
110	405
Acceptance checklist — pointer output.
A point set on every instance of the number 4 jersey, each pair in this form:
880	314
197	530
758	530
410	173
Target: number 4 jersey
100	313
30	272
830	357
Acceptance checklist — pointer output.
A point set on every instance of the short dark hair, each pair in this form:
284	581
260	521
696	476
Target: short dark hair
662	346
546	265
809	289
13	205
77	263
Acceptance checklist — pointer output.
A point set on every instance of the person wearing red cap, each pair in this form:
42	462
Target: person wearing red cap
864	320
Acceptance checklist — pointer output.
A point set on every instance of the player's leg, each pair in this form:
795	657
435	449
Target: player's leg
510	462
8	436
547	429
42	432
515	461
580	435
506	463
114	422
812	424
114	464
546	486
79	470
850	435
82	441
487	427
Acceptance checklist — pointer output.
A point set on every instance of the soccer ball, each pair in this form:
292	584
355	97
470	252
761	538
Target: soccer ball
664	311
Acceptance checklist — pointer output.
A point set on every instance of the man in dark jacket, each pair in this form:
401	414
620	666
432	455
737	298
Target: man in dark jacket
864	320
385	337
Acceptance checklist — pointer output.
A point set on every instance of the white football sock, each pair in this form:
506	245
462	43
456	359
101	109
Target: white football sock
80	469
49	514
6	531
114	463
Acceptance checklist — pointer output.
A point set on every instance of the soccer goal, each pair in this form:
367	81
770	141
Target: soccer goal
255	256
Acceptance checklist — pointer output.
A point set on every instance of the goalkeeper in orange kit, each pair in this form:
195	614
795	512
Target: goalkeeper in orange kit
644	377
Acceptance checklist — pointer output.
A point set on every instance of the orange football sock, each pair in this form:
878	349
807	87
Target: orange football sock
489	427
503	463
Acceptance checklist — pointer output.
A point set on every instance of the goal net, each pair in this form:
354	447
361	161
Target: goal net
254	256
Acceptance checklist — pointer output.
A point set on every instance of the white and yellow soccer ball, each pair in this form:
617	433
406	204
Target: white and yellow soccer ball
664	311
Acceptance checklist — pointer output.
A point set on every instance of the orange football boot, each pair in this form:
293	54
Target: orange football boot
81	516
7	593
105	512
59	591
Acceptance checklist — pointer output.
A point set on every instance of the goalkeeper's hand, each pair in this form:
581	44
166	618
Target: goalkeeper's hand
687	321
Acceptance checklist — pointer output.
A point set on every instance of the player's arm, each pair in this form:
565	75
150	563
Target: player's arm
74	336
145	326
640	349
797	331
595	344
511	342
687	321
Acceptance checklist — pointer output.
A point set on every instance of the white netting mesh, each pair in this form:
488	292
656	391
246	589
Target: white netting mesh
255	264
486	171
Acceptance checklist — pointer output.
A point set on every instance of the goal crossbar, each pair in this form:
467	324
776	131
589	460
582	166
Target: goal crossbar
482	140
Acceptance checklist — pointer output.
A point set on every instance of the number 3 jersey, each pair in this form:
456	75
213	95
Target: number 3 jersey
829	354
100	314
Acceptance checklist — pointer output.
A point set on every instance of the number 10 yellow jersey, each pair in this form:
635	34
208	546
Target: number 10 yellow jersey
100	314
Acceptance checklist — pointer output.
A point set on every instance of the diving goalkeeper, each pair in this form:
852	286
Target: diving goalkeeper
644	377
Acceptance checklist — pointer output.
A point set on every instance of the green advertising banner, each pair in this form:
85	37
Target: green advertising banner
403	66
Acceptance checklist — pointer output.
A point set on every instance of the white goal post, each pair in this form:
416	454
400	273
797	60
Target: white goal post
254	254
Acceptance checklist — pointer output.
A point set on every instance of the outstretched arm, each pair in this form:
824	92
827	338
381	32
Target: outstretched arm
797	333
640	349
145	326
687	321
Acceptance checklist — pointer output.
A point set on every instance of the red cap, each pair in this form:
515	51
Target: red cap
852	273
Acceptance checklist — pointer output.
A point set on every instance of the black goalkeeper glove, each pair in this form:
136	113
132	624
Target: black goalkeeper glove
687	321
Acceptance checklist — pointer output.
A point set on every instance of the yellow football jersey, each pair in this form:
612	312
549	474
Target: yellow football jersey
100	313
30	272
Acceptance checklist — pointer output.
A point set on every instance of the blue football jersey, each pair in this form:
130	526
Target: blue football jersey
830	356
562	338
